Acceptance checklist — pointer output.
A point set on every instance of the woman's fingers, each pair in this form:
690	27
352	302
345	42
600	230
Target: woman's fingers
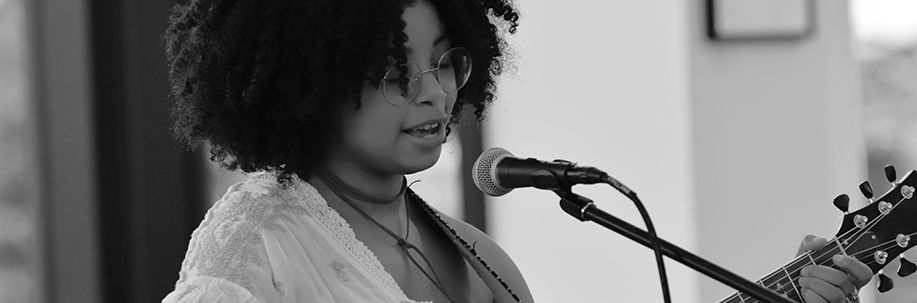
811	242
827	276
826	284
817	290
857	271
823	284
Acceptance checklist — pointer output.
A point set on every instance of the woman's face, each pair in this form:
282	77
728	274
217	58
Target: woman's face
386	139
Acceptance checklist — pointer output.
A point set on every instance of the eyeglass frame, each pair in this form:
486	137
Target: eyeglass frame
419	76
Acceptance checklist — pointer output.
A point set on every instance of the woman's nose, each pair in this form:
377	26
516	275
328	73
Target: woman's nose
430	91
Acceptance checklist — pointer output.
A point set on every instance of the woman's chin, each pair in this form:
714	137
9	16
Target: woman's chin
421	163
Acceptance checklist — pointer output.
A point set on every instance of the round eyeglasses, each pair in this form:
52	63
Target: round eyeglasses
451	71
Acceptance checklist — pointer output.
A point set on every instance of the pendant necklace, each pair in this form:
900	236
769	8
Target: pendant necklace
345	191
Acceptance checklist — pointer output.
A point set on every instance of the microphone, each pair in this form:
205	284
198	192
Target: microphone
496	172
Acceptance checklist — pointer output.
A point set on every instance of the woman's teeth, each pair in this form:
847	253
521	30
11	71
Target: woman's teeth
424	131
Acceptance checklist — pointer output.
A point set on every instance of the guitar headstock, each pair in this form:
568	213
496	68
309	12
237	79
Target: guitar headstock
882	230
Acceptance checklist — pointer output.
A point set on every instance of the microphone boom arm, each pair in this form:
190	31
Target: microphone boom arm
584	209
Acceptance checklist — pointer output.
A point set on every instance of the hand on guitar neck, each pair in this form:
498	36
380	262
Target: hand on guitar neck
868	239
839	284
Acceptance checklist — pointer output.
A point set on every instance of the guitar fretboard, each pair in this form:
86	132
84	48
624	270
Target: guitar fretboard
785	280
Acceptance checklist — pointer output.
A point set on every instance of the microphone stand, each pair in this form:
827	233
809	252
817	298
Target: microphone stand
584	209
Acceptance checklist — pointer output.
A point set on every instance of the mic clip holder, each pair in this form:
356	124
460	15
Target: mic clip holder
584	209
573	204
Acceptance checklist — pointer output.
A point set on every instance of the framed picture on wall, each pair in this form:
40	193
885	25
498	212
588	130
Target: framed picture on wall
760	19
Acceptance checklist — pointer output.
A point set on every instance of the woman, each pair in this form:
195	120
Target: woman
333	102
337	100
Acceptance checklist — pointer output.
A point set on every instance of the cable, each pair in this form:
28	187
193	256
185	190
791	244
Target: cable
650	229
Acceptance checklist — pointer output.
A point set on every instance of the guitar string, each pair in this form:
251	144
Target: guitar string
829	251
795	262
763	281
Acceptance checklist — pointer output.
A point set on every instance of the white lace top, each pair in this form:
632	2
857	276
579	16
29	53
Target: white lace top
264	243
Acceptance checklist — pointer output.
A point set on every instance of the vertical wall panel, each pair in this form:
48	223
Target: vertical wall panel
61	77
151	195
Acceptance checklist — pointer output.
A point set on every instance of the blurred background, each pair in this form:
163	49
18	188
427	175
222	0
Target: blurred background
737	137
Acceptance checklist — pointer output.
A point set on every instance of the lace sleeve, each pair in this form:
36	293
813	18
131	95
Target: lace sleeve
204	289
226	259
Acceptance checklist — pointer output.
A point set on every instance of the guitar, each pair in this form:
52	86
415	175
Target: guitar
874	234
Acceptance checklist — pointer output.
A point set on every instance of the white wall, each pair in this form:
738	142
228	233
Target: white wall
602	83
735	148
776	130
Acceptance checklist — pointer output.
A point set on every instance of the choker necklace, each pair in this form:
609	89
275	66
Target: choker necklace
334	181
342	190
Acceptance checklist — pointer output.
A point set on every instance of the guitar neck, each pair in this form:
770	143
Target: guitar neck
874	235
784	280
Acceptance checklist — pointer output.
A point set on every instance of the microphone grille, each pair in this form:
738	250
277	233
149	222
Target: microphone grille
484	172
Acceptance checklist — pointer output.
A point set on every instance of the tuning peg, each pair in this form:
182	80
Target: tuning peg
885	283
866	189
842	202
890	174
906	268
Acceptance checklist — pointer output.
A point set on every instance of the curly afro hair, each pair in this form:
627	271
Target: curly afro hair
258	79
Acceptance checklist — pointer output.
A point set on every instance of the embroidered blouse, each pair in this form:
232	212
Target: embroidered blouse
265	243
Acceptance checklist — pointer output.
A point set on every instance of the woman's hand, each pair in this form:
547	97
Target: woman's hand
821	284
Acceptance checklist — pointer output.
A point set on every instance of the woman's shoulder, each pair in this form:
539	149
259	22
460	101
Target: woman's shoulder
227	249
262	183
491	252
261	198
257	205
236	221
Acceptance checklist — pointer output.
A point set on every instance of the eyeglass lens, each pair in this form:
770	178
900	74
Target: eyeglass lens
451	72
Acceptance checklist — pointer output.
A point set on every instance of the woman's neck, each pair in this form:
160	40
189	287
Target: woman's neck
372	183
380	186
